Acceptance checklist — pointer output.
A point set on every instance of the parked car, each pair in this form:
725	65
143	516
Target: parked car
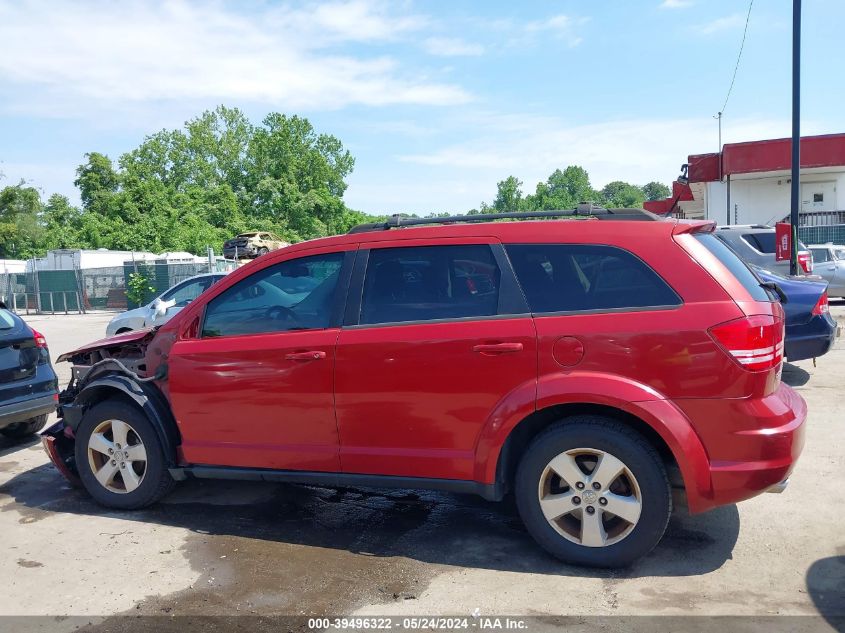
810	329
252	244
755	243
580	365
163	307
829	262
28	384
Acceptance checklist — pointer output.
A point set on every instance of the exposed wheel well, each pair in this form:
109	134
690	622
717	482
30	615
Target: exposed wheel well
123	329
526	430
151	404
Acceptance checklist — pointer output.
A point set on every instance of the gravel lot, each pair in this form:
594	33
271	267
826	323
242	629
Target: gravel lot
245	548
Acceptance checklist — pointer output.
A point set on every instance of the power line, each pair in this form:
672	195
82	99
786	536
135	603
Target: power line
738	57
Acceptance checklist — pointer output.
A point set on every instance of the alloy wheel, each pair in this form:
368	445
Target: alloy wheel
590	497
117	456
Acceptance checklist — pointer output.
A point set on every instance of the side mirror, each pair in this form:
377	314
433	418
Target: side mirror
160	308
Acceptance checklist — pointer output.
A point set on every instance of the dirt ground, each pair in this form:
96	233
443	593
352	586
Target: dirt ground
231	548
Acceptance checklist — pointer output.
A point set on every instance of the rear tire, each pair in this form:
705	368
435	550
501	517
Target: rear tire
21	430
572	519
120	458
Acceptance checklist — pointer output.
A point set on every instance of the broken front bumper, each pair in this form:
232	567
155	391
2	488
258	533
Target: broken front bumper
59	443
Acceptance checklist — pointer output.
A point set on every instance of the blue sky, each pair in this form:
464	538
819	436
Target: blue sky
436	100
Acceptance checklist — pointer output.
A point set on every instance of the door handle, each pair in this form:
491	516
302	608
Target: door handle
497	348
311	355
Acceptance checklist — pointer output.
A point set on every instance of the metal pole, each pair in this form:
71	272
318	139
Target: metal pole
728	202
796	134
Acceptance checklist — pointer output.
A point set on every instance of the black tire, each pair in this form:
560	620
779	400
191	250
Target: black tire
21	430
263	251
156	481
617	439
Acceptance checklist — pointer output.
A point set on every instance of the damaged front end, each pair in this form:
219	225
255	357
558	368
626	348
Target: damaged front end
125	365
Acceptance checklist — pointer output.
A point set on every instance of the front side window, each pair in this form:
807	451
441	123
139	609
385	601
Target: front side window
839	253
577	277
430	283
294	295
182	295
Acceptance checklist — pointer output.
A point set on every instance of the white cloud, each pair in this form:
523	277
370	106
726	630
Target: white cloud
561	26
676	4
452	47
721	24
124	53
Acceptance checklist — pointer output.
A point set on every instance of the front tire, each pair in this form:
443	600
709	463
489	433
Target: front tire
21	430
120	458
593	492
263	251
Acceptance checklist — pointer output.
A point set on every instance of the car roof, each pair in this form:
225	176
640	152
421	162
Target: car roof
588	229
747	228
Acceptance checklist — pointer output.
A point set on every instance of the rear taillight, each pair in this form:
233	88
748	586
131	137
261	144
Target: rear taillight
806	262
822	306
755	342
40	341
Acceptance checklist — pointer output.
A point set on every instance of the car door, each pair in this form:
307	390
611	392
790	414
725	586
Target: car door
824	264
254	387
434	339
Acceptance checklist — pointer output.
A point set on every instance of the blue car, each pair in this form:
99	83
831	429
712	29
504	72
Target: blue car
28	385
810	330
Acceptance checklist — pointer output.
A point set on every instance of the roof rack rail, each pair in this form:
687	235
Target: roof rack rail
584	210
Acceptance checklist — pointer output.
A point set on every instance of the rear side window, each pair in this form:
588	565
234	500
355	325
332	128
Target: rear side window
763	242
733	263
576	277
820	255
6	320
429	283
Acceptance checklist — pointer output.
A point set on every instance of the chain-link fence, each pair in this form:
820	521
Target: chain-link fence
822	234
79	290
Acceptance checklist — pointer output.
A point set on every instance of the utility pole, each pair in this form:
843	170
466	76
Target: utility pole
796	134
719	118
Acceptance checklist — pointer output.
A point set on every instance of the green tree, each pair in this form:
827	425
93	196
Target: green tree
656	191
622	194
564	189
20	227
217	176
509	195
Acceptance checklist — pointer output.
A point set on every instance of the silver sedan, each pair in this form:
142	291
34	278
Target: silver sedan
829	260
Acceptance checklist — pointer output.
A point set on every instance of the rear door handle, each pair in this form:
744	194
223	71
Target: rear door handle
311	355
497	348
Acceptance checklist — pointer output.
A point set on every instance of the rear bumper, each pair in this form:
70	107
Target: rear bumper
752	444
26	409
811	339
241	251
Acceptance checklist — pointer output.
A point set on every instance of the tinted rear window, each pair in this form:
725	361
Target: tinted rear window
763	242
576	277
733	263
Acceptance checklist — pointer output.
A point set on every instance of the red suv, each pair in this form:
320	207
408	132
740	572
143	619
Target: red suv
586	365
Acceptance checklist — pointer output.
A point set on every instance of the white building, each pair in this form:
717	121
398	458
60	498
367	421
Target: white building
8	266
83	259
750	183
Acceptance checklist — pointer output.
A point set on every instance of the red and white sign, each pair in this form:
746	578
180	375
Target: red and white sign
783	241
